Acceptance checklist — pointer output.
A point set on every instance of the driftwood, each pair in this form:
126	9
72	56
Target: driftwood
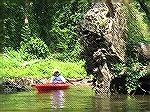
73	80
29	63
79	81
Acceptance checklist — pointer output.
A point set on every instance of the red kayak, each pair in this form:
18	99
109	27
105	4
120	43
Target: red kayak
50	86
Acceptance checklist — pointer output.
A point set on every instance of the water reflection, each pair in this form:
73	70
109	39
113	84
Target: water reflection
56	99
102	104
122	103
72	100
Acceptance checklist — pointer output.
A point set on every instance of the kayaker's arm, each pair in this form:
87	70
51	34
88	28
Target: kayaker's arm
63	79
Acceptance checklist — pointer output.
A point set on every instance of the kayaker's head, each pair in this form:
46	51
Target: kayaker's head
56	72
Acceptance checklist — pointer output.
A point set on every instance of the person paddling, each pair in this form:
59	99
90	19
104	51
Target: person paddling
57	77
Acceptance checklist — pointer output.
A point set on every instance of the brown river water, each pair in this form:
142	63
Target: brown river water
75	99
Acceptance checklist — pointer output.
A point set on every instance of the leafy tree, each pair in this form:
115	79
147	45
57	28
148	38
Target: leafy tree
12	13
64	24
32	47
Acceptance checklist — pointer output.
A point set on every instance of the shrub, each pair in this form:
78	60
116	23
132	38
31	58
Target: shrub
34	48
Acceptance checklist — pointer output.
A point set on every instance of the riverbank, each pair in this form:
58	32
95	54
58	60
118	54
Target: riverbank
18	84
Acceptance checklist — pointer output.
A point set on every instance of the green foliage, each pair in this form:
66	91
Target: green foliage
25	33
35	48
52	22
12	55
50	28
9	60
12	65
138	27
69	69
135	70
118	68
137	32
12	15
134	33
65	21
32	47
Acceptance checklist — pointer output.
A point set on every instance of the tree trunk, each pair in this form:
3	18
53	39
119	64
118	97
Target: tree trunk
103	41
26	11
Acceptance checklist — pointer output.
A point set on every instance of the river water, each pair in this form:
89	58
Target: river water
75	99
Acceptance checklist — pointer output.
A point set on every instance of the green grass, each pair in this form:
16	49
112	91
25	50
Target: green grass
13	66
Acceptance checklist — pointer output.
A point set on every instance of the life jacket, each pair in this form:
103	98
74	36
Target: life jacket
55	79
